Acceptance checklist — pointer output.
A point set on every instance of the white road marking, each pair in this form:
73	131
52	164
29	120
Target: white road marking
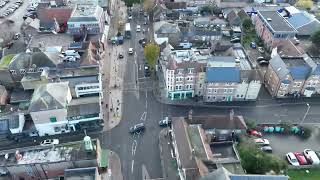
132	163
134	147
140	67
143	116
146	100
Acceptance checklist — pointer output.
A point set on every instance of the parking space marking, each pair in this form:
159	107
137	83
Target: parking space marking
143	116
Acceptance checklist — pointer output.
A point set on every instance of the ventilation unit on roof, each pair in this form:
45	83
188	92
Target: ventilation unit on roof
269	19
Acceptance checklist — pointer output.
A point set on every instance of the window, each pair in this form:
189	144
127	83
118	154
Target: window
230	90
215	90
179	71
200	85
177	87
22	71
190	70
13	72
53	119
225	90
40	69
180	87
209	90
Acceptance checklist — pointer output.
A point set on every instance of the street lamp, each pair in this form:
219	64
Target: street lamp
305	115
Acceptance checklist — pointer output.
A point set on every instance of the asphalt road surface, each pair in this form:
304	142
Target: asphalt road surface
141	151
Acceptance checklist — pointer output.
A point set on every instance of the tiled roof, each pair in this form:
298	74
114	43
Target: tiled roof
279	66
223	74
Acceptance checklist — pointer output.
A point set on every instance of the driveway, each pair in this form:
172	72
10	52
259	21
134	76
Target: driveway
282	144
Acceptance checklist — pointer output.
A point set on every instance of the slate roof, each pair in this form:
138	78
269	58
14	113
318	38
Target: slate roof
277	23
279	66
179	128
49	96
219	122
163	27
33	60
299	73
305	23
83	109
222	74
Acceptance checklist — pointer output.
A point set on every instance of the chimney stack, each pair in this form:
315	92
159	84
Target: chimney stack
190	114
231	114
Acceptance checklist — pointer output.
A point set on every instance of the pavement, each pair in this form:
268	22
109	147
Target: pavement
282	144
168	163
114	168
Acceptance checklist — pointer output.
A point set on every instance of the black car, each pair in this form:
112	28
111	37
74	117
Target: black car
143	40
165	122
263	62
120	56
147	72
137	128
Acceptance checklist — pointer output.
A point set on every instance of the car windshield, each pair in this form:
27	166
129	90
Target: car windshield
294	160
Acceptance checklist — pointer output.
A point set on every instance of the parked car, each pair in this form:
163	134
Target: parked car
16	36
292	159
147	72
255	133
130	51
253	45
49	142
301	159
267	149
120	56
311	156
263	62
235	40
260	58
165	122
137	128
263	142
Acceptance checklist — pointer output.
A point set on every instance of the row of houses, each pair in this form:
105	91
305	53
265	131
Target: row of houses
190	73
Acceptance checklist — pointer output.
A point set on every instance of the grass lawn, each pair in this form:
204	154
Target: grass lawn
6	60
314	174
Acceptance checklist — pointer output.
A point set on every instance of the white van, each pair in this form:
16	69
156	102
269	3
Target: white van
138	28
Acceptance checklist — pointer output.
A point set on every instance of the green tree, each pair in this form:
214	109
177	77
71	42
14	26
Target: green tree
129	3
151	53
148	5
315	38
247	25
307	4
255	161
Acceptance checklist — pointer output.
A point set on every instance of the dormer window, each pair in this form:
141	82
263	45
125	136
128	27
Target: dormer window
13	72
31	70
22	71
40	69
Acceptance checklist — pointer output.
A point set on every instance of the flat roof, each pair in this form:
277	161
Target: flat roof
277	22
294	61
37	154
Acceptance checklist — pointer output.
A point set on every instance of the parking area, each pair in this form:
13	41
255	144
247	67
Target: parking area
282	144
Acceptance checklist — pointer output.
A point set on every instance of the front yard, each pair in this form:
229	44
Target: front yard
303	174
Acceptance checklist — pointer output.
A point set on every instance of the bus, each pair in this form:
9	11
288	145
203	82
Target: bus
127	32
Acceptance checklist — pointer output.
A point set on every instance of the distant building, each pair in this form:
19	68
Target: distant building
285	77
273	28
86	19
55	161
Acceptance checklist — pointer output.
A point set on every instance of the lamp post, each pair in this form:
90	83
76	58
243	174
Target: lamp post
305	115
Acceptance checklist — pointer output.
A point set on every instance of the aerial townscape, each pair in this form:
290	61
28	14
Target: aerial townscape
160	89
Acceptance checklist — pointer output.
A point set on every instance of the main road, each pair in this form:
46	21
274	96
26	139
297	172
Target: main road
139	154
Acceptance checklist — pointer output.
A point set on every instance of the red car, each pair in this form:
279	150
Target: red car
301	159
255	133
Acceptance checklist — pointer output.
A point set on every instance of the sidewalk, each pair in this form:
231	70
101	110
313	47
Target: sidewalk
114	73
114	168
169	165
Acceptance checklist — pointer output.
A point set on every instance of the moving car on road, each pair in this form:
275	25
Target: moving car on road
137	128
49	142
138	28
130	51
292	159
311	156
120	56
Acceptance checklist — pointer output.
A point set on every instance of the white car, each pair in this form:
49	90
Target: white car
311	156
130	50
263	142
292	159
138	28
49	142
